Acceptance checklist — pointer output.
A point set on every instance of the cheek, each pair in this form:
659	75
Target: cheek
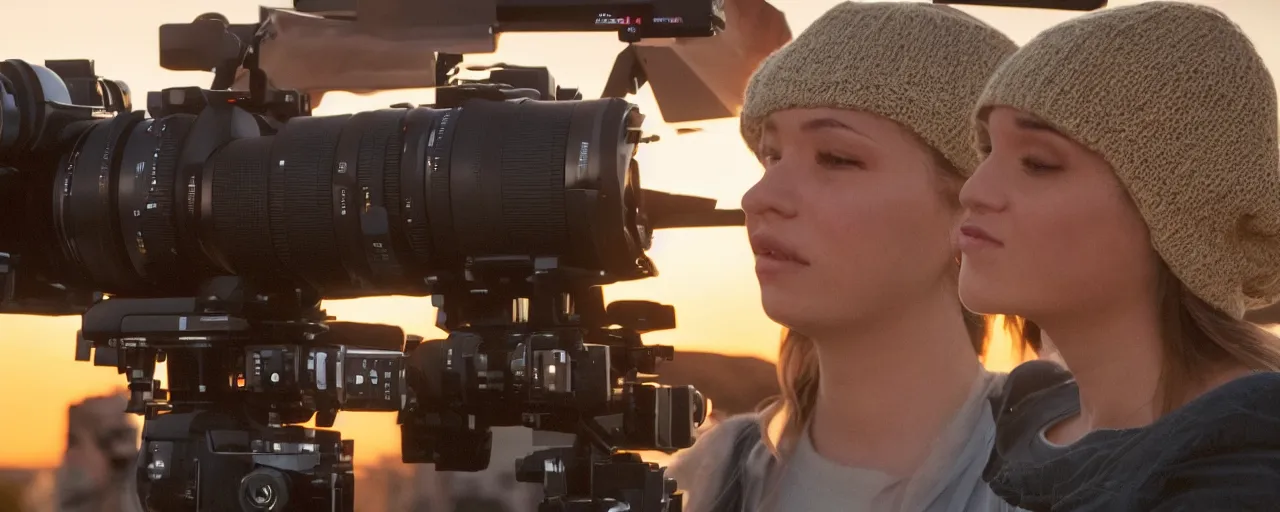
1065	255
871	240
1105	253
885	232
1056	247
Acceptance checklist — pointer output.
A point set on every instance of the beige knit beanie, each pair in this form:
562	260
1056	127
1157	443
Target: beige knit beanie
921	65
1175	97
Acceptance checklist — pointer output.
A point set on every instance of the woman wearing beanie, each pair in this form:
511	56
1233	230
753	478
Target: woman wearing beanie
1129	204
863	127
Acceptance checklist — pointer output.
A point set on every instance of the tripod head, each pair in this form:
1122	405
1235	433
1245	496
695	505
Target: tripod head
247	365
532	343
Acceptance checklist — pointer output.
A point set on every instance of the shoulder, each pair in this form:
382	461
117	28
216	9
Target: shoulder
1228	449
726	432
701	466
993	382
716	443
1260	389
1220	450
1244	411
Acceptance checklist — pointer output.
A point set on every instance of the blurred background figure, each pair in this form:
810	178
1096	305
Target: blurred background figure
97	469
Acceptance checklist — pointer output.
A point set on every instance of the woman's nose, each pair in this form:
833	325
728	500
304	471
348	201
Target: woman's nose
980	192
773	194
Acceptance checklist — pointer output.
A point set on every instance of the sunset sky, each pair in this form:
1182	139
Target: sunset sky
706	273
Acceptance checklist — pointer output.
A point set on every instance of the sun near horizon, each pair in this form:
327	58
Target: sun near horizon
706	273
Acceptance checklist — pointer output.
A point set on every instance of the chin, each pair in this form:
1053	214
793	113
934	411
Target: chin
786	310
983	298
779	310
808	313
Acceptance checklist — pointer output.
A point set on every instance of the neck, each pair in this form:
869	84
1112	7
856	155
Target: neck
1116	355
889	386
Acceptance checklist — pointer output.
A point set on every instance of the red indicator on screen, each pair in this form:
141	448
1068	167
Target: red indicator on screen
617	20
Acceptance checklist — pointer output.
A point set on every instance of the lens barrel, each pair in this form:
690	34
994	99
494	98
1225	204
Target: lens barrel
371	203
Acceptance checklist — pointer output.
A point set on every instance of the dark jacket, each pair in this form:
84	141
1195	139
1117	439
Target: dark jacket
1219	452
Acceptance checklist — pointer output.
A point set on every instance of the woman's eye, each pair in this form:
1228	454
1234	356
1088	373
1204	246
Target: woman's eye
832	160
768	155
1035	166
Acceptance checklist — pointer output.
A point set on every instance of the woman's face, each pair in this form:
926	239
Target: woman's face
851	218
1050	231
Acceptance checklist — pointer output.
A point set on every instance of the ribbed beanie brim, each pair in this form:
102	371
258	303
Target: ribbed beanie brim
921	65
1178	101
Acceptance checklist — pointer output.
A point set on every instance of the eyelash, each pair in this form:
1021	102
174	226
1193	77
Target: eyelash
824	158
836	161
1034	167
1029	164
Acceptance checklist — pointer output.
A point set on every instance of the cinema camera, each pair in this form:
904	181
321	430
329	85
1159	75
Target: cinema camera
206	235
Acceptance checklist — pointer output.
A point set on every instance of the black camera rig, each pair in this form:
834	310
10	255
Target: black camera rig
206	236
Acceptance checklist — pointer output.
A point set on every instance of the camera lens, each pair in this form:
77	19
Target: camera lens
264	489
87	202
350	205
151	165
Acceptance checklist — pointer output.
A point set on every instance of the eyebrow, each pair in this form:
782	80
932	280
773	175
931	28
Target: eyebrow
1033	124
818	124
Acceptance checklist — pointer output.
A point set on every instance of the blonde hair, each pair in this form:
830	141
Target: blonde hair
1198	336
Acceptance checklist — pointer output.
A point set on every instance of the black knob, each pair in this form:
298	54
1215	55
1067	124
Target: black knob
264	490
